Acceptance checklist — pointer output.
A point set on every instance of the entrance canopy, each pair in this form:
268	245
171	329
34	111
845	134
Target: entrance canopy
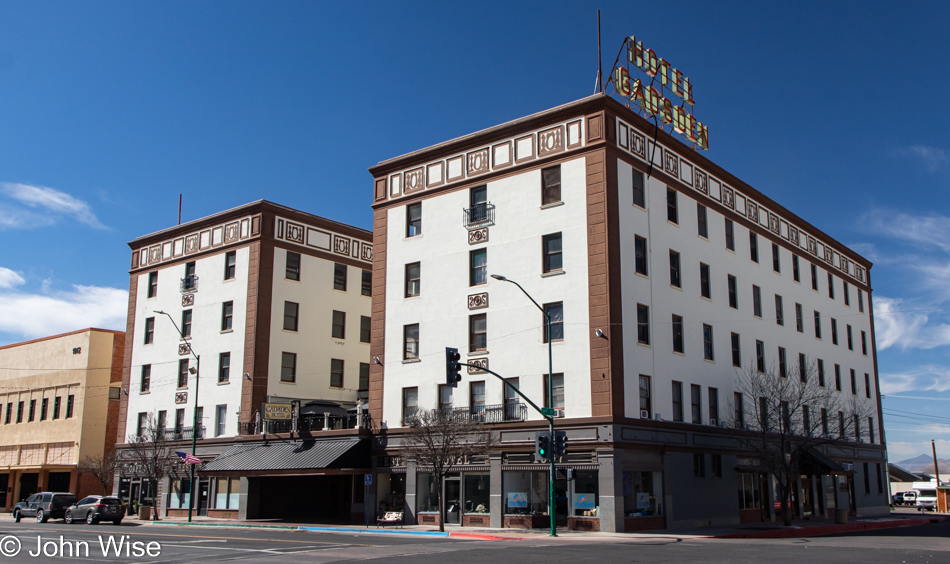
815	462
298	455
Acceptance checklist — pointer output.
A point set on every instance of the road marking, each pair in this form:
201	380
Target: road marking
145	533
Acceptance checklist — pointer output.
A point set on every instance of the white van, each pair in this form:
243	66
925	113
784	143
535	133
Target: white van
926	495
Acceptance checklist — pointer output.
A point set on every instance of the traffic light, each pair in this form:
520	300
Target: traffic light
542	446
560	443
452	367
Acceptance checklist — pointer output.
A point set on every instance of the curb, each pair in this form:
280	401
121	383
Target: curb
831	529
369	531
481	537
223	525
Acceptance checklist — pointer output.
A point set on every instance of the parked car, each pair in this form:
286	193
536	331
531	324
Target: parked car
96	508
910	498
44	506
897	499
926	500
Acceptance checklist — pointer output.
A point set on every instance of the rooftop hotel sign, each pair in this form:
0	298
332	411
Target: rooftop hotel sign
651	94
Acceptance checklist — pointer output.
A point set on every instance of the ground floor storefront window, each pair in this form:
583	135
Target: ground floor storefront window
584	500
227	493
180	497
642	494
750	495
477	486
391	492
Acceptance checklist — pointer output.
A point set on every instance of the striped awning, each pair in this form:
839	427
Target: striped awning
300	455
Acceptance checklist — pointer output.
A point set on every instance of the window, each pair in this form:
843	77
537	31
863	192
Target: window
738	412
551	248
814	277
776	259
288	367
736	351
230	264
699	465
834	331
696	403
677	333
867	385
445	398
831	286
152	284
850	338
817	325
556	313
638	199
675	269
183	373
186	323
162	421
871	440
227	315
857	437
338	329
704	290
821	373
32	411
763	413
847	294
713	406
760	356
410	341
782	363
860	300
141	424
477	397
292	266
864	343
145	382
701	227
802	368
57	401
291	311
190	280
799	319
730	236
640	246
557	392
838	377
677	401
478	200
410	403
366	286
224	367
716	465
339	276
753	246
478	333
336	373
796	274
551	185
671	212
645	403
756	301
365	325
364	377
413	283
19	412
220	419
854	384
414	219
179	420
708	342
779	311
478	267
149	330
841	424
70	400
733	295
824	422
643	324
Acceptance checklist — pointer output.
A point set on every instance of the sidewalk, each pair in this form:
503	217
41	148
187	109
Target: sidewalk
744	531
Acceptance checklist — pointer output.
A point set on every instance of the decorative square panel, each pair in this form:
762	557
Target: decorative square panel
183	348
217	236
341	245
574	134
728	199
191	243
181	397
188	300
178	247
477	162
434	174
829	255
524	148
166	250
501	155
793	235
638	144
295	232
550	141
135	259
154	254
395	185
355	249
478	365
245	228
671	164
752	211
454	168
366	252
415	180
232	232
478	301
477	236
812	245
623	135
700	182
773	223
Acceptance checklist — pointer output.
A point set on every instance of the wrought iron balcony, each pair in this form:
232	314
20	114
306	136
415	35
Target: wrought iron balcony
478	216
184	433
308	424
189	284
501	413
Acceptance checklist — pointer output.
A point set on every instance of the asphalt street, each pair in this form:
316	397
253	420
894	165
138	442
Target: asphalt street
53	542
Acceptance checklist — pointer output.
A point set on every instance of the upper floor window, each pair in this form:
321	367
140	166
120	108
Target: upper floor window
336	373
864	343
224	367
779	310
414	219
186	323
190	280
149	330
152	284
675	269
288	367
365	328
366	288
860	300
708	342
831	285
364	377
230	264
557	393
410	404
730	235
183	373
338	330
696	403
478	333
640	251
478	267
760	356
782	363
410	339
227	315
677	333
850	338
821	372
292	267
551	185
753	246
556	313
847	294
736	351
756	301
646	410
799	319
814	277
677	401
551	248
671	212
643	324
776	259
733	293
478	198
704	289
638	196
802	368
144	384
413	283
339	276
817	325
445	397
834	331
701	226
291	311
796	274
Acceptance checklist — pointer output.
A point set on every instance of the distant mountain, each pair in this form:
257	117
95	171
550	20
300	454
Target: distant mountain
924	463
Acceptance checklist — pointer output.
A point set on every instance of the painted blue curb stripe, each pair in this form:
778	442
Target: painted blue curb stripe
372	531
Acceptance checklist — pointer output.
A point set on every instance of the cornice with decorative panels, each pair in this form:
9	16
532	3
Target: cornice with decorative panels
709	188
228	232
321	239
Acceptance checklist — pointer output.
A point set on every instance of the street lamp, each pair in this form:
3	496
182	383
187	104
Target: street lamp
194	425
550	418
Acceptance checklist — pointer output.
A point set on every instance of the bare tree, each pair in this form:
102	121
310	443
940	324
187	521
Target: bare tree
151	454
102	467
791	414
439	440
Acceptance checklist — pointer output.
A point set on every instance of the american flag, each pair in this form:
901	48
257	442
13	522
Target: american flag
188	458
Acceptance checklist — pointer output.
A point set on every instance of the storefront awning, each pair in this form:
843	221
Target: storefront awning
815	462
300	455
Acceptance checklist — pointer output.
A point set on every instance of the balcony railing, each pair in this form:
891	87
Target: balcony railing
184	433
478	216
502	413
308	424
189	284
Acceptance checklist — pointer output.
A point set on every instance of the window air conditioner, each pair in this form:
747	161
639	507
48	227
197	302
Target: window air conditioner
847	466
658	417
713	422
644	414
559	413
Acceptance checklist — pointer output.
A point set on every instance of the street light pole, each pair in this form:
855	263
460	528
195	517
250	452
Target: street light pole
194	425
551	468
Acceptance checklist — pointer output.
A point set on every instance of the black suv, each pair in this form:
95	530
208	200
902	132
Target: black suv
44	506
96	508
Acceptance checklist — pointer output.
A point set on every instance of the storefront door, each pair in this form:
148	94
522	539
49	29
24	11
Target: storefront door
203	486
453	496
28	485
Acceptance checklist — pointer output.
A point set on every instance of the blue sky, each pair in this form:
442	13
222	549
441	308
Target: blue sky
109	110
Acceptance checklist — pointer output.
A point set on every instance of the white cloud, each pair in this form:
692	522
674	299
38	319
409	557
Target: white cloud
9	279
896	323
928	230
46	199
902	450
35	315
933	377
934	159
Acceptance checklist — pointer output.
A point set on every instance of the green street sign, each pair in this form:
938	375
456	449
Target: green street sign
548	411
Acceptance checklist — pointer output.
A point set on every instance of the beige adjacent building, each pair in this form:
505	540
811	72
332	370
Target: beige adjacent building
57	405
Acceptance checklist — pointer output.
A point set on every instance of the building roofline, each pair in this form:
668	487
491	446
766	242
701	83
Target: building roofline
51	337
